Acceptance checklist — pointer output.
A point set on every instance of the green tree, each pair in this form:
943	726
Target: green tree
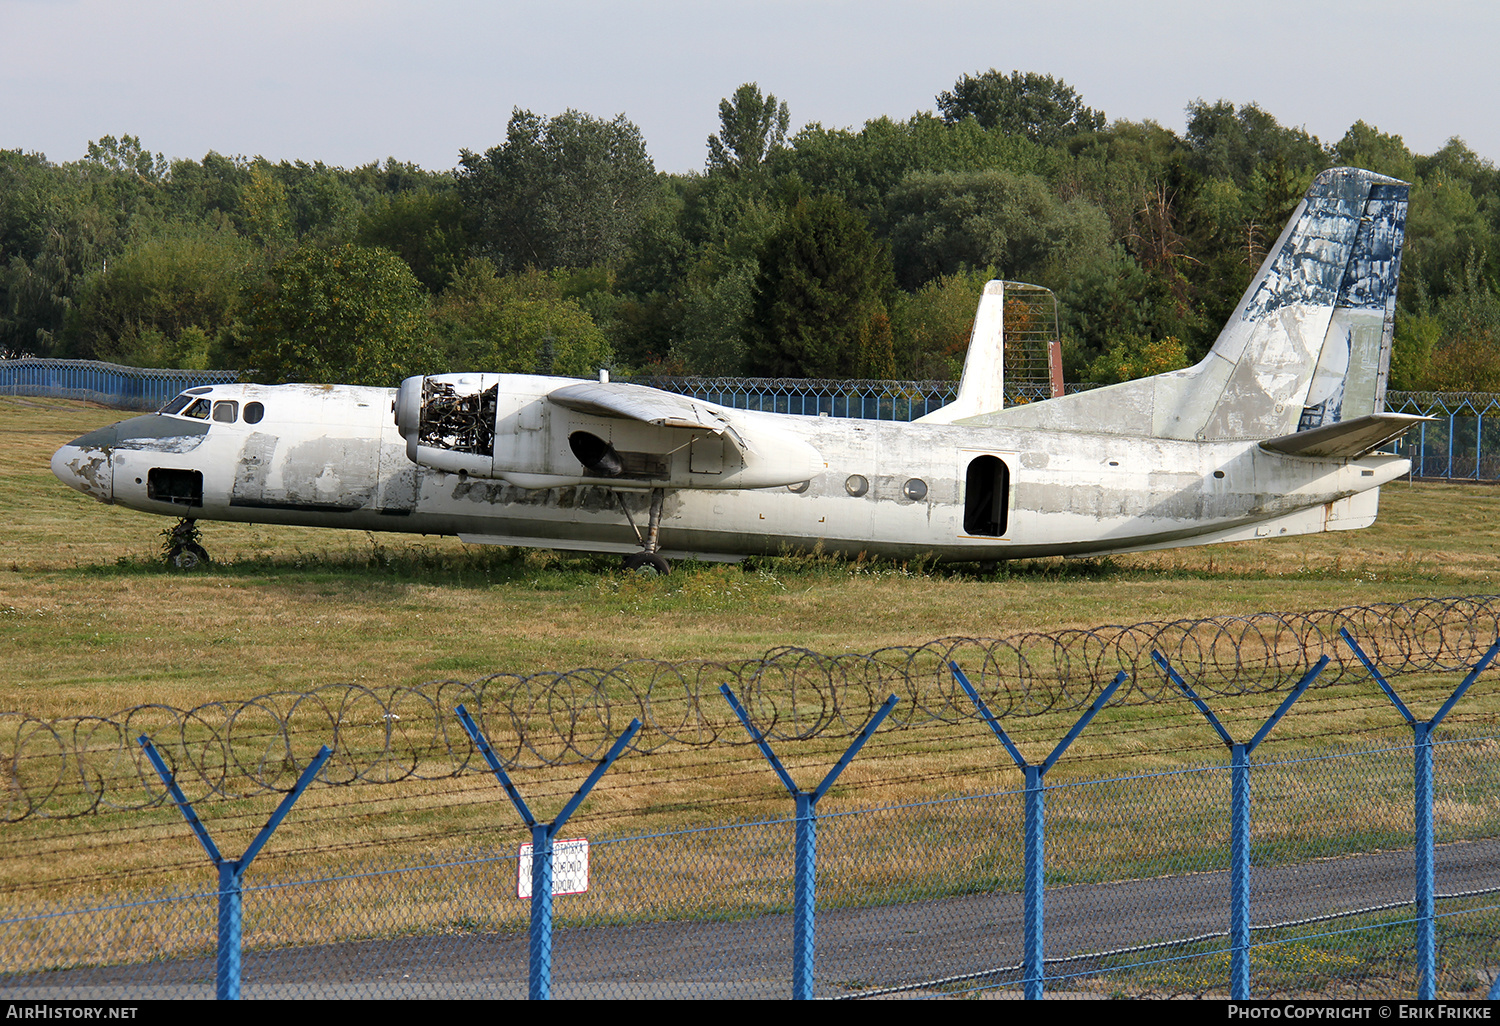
1239	144
163	302
865	166
820	303
423	228
322	205
568	192
57	223
932	326
751	128
1467	357
1370	148
1044	109
517	324
1131	356
265	214
939	223
348	314
126	157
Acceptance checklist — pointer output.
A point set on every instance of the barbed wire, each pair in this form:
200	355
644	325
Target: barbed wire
78	765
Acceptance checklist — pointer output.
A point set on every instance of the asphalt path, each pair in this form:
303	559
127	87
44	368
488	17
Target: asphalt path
916	949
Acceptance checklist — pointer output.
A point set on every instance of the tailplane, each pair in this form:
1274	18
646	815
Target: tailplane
1308	346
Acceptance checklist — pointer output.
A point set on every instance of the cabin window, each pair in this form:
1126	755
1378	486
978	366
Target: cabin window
987	497
199	409
226	410
180	487
856	485
254	412
915	489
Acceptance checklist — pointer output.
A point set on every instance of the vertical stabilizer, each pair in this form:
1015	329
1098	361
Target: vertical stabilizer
1308	346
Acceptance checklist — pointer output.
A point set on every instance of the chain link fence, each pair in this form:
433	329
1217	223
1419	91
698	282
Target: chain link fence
924	899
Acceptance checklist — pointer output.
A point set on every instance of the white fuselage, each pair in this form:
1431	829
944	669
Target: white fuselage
331	456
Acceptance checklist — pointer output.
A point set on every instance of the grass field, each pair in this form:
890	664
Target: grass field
92	622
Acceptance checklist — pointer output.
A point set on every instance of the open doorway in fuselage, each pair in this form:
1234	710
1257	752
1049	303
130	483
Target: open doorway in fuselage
987	497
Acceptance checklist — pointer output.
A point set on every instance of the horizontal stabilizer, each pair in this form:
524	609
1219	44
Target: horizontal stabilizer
1346	440
643	403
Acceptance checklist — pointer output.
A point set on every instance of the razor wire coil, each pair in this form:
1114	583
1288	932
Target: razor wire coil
78	765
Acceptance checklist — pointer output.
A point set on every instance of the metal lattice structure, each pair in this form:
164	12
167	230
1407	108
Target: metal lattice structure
1033	367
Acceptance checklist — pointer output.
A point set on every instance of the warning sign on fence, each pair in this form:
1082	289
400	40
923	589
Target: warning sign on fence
570	868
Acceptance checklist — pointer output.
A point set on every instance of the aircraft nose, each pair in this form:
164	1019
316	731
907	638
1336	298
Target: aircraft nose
85	464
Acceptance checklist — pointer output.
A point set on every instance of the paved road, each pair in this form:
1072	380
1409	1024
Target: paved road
858	950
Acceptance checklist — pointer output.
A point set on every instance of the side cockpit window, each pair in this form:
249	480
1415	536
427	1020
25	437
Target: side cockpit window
180	404
226	411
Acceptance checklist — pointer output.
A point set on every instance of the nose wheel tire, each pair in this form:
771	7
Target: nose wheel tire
188	557
647	561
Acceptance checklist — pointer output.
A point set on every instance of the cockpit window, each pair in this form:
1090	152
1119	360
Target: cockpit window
226	410
253	413
198	410
176	405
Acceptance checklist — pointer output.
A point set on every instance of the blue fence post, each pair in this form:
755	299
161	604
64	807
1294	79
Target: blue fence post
1239	872
1239	818
1449	475
1033	968
539	944
804	898
543	836
1426	878
231	871
805	854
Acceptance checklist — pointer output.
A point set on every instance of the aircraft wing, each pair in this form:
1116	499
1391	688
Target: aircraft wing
645	404
1346	440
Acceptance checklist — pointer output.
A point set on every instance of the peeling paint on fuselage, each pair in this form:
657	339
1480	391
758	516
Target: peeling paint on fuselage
1097	492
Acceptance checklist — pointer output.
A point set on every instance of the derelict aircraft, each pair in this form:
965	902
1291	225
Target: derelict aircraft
1276	432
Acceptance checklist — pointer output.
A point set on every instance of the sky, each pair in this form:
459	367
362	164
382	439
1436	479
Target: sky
350	82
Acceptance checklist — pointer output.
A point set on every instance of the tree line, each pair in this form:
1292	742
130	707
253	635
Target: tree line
829	253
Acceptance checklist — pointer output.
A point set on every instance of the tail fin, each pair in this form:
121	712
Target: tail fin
1309	344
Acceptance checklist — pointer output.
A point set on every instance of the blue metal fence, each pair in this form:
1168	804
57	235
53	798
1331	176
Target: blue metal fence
109	384
1462	444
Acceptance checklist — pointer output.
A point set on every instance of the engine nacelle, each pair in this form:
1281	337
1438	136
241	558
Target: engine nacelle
504	426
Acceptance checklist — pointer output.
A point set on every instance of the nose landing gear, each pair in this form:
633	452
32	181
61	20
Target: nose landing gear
181	546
